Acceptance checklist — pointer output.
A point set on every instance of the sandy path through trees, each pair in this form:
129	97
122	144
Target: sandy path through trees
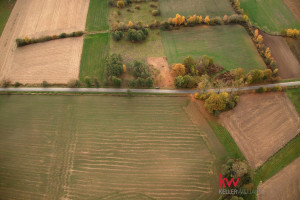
55	61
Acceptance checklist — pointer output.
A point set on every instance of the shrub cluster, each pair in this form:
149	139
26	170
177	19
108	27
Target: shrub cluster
216	103
277	88
117	35
26	41
114	69
137	35
142	76
237	6
294	33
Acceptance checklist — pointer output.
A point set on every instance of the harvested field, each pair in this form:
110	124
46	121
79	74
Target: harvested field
284	185
261	124
169	8
38	18
104	147
294	6
288	65
230	46
273	15
163	78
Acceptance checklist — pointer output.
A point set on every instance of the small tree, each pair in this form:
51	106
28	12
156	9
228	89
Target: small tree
96	82
114	65
207	20
178	70
120	4
117	82
45	84
88	81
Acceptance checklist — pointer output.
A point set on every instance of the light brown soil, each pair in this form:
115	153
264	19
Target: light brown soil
261	124
288	65
55	61
163	78
294	6
283	185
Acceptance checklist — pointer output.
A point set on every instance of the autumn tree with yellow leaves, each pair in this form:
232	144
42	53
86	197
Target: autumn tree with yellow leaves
178	70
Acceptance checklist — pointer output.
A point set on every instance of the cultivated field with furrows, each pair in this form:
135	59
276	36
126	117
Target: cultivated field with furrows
261	125
122	148
284	185
52	62
288	65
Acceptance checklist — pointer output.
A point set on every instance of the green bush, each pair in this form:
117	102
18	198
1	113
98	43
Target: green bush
155	12
96	82
17	84
141	70
261	90
62	35
117	82
88	81
136	36
5	83
114	65
117	35
74	83
45	84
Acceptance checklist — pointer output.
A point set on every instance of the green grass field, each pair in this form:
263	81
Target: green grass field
273	14
151	47
5	10
169	8
97	18
95	49
103	147
230	46
144	14
294	95
226	140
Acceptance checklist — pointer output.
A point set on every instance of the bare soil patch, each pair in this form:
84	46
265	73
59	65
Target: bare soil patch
284	185
294	6
261	124
163	77
288	65
48	60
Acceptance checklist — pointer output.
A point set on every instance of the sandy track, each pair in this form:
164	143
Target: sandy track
164	78
294	6
283	185
288	65
48	60
262	124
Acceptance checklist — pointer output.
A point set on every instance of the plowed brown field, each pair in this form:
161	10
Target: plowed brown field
294	6
288	65
55	61
262	124
284	185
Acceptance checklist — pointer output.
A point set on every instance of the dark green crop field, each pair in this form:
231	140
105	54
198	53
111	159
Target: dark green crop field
103	147
230	46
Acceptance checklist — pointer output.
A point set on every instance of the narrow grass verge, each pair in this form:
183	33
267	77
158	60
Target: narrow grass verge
5	9
97	18
95	49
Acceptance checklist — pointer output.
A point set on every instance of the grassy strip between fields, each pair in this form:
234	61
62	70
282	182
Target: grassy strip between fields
294	95
226	140
97	18
95	49
5	9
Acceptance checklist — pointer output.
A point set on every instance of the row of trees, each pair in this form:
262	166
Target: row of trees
290	33
188	74
133	35
26	41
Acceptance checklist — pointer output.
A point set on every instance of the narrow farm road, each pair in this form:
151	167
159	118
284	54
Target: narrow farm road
154	91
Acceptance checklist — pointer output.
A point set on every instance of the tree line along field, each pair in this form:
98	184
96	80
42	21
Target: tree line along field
272	14
230	46
118	148
169	8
